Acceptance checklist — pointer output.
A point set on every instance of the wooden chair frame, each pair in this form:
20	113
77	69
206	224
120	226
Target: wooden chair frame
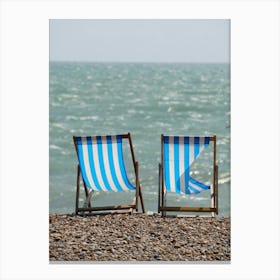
214	188
128	208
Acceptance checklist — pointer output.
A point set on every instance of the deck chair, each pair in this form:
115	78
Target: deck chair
101	166
177	155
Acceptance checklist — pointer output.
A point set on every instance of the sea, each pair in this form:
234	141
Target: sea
147	100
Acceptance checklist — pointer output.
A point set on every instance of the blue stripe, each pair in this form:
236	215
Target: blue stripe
101	162
199	184
176	164
91	163
121	163
166	162
206	141
187	163
81	161
196	140
111	163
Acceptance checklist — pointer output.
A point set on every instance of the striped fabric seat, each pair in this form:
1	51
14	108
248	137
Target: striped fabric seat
101	162
177	155
179	152
101	167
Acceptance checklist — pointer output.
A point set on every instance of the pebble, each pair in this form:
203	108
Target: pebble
138	237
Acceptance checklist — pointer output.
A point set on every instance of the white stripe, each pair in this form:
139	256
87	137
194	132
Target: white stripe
97	164
182	164
171	164
116	163
86	162
106	163
201	144
191	150
196	186
191	191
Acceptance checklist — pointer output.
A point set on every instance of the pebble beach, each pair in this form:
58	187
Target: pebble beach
138	237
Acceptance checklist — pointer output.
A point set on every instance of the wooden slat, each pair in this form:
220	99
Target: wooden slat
187	209
125	135
100	208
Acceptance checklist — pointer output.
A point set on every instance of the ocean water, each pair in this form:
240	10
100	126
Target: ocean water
147	100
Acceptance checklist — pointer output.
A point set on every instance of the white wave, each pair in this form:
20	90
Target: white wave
224	180
93	118
85	118
70	96
59	125
136	100
54	147
195	198
203	78
56	104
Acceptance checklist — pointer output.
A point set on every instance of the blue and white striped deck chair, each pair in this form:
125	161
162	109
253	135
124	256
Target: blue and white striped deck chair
177	155
101	164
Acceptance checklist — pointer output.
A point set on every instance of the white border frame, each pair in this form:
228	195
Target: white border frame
255	116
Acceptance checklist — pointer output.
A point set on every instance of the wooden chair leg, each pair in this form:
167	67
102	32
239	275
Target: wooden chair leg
159	182
77	190
163	200
137	185
87	194
216	190
142	200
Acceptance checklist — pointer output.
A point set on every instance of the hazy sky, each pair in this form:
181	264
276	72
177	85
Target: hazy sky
140	40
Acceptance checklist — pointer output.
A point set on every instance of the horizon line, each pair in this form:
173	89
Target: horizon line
155	62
